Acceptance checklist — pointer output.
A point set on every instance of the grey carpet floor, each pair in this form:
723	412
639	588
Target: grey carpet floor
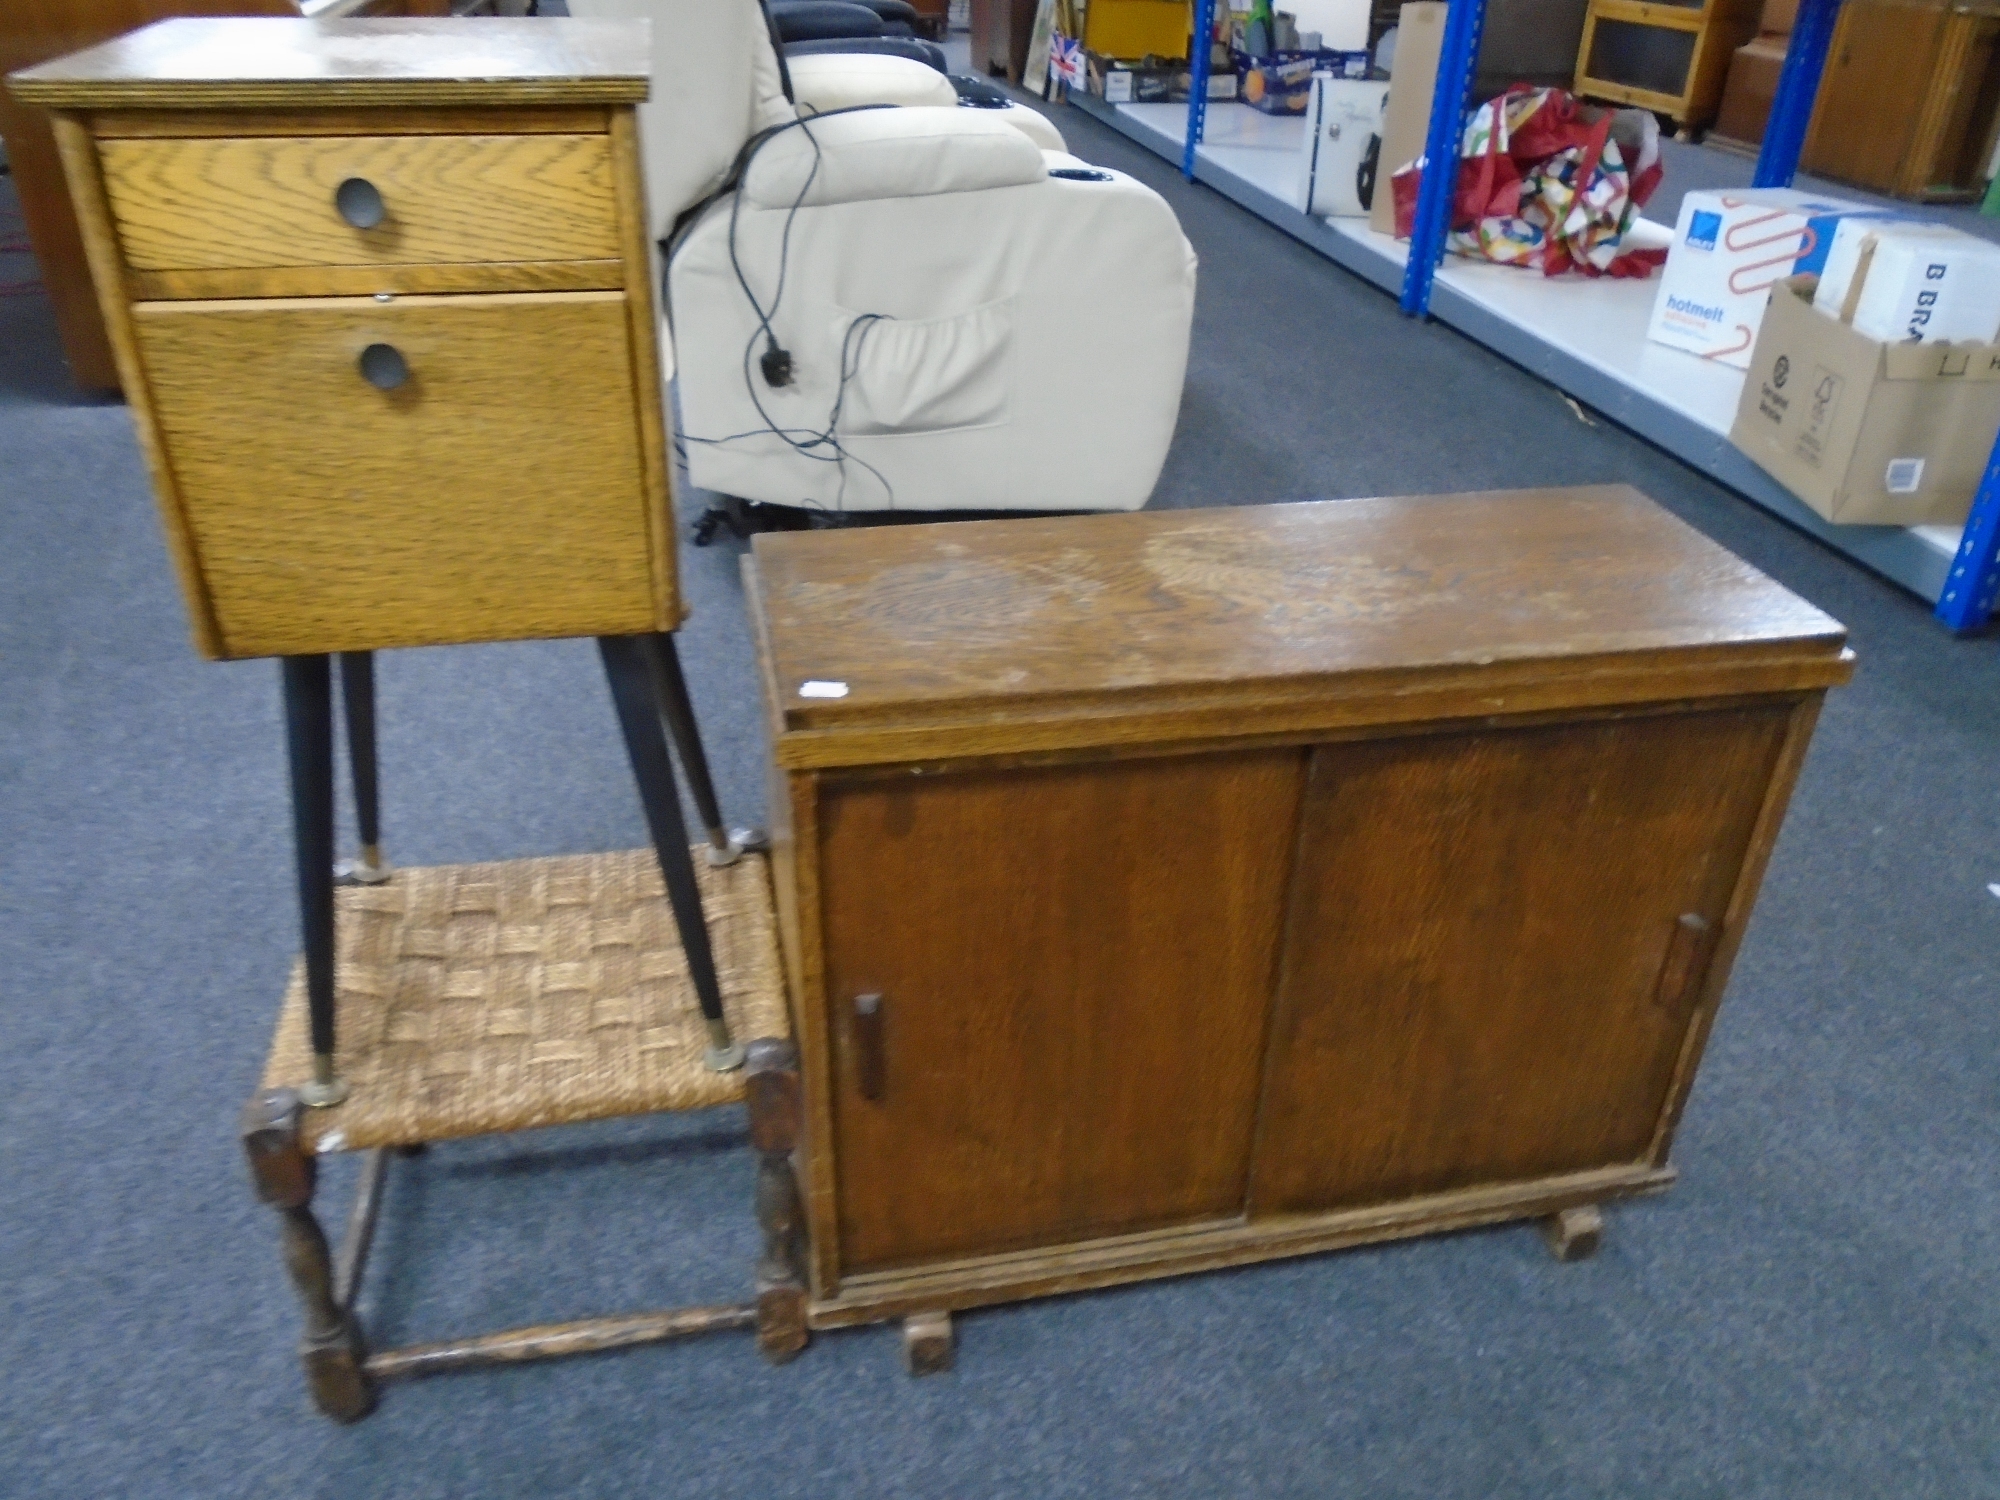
1811	1312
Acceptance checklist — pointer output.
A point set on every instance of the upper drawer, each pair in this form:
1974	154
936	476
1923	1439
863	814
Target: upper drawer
236	203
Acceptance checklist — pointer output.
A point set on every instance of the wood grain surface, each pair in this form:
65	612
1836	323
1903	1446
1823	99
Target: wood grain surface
1959	125
36	31
557	1341
1441	817
1799	724
277	63
813	1028
1075	968
466	505
100	242
1878	72
976	1281
1906	105
1361	706
359	281
792	813
648	384
269	201
922	623
188	124
1479	929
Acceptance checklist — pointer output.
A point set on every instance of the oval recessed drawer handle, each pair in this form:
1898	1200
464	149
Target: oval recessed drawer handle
383	366
359	202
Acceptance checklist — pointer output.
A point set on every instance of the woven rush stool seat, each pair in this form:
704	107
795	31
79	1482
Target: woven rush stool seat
492	997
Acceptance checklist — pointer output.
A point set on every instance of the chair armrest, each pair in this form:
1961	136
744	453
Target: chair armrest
889	153
826	81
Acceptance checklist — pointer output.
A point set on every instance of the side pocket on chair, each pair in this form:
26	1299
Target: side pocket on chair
934	375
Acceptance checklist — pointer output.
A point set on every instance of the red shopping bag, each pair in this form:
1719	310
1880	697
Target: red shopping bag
1547	181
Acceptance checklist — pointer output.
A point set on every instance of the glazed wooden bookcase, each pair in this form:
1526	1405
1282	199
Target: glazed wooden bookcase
1175	890
1663	55
380	297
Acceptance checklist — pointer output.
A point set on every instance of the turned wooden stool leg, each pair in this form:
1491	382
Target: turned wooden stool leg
628	671
725	845
357	694
309	742
927	1345
771	1089
332	1348
1574	1234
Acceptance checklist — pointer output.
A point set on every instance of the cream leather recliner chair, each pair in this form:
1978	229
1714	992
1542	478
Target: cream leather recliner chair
904	308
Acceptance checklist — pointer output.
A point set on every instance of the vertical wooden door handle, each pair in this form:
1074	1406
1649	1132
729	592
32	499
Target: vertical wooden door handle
1686	962
868	1044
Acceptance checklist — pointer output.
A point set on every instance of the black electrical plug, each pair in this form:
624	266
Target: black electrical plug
776	364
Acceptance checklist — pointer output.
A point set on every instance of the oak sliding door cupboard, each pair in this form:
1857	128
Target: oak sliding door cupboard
1179	889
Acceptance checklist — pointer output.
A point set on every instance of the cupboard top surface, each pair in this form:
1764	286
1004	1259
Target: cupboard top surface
907	623
267	61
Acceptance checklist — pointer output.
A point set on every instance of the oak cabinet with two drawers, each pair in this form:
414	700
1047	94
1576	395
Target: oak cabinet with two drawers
388	331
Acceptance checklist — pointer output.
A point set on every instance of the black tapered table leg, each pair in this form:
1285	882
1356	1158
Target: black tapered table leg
725	845
309	741
357	694
631	676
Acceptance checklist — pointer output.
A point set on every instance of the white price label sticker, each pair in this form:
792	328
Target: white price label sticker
820	688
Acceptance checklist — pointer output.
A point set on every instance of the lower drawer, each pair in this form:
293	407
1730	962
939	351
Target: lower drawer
496	492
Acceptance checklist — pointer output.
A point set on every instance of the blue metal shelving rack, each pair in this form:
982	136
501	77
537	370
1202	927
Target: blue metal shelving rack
1969	589
1798	86
1966	601
1197	125
1437	189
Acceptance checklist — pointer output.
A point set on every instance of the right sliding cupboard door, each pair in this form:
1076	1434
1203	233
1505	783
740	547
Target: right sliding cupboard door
1495	948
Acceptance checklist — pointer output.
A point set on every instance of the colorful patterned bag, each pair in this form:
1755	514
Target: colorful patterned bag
1546	181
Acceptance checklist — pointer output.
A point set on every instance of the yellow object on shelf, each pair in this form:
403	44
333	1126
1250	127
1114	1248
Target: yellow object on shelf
1137	28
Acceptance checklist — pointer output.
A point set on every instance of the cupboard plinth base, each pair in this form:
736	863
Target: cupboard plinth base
879	1296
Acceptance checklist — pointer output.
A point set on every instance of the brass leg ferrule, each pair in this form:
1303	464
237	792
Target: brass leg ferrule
725	1055
327	1088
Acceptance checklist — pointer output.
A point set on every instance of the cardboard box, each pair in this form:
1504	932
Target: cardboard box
1752	85
1862	431
1150	81
1729	249
1343	117
1896	279
1280	83
1407	120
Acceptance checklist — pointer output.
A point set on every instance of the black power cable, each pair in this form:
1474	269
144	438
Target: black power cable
776	362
